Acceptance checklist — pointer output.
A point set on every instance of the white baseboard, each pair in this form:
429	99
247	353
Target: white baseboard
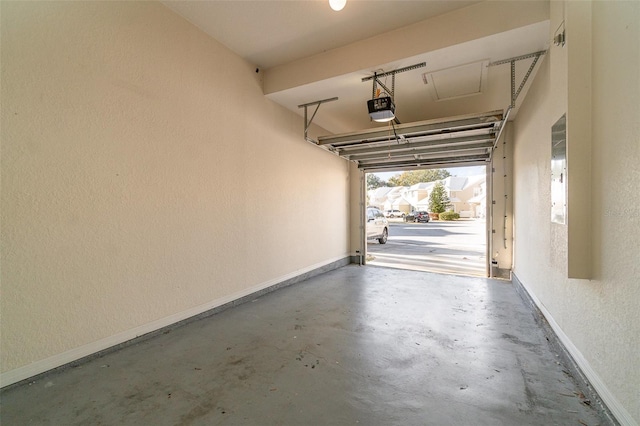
612	403
38	367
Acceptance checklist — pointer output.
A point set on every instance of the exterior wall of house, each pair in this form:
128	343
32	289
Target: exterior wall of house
470	191
465	194
597	317
145	179
415	197
481	206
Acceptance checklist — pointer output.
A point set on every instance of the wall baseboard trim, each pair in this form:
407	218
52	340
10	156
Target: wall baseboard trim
594	388
76	356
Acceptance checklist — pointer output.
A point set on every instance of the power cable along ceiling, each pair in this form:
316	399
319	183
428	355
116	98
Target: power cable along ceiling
461	140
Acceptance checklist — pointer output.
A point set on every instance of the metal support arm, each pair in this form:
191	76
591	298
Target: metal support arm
376	79
515	93
307	122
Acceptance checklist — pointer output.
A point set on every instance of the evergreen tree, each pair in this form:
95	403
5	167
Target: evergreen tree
438	198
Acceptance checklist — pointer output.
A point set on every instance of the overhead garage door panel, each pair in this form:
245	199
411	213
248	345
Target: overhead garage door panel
462	140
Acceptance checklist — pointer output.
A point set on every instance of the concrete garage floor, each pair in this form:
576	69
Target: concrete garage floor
357	345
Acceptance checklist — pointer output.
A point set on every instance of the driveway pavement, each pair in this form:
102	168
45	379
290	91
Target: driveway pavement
455	247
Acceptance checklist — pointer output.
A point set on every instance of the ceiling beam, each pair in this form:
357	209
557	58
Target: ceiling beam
475	21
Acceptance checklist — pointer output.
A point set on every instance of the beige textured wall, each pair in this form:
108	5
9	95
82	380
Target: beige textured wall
144	175
598	319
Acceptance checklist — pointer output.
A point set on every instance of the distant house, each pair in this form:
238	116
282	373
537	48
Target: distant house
466	193
478	202
400	203
461	190
418	195
377	197
396	200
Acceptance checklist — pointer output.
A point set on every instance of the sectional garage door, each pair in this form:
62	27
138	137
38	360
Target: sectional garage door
462	141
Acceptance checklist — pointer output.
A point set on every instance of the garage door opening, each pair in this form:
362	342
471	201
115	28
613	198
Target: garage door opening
404	203
450	143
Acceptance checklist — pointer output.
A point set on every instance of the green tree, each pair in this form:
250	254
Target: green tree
417	176
374	181
438	198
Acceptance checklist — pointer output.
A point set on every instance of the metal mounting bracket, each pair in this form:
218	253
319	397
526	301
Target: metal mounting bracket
307	122
376	79
515	93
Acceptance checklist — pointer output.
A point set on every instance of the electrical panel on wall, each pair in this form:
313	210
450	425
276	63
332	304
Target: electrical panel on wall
559	171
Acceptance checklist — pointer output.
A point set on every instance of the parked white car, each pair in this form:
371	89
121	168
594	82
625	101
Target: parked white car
377	225
394	213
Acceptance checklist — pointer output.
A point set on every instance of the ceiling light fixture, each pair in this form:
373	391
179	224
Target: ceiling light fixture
337	5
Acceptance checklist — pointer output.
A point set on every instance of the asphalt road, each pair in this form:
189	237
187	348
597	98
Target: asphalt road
455	247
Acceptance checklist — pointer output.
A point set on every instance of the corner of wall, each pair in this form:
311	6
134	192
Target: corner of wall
591	383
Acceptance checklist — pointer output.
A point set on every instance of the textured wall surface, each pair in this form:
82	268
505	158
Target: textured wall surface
598	318
144	174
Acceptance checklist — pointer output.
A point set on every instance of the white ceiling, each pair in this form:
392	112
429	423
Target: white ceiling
268	33
277	34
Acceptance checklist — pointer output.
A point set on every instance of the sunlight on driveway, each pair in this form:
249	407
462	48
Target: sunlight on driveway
445	247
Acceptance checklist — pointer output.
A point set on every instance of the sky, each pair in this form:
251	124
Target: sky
455	171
